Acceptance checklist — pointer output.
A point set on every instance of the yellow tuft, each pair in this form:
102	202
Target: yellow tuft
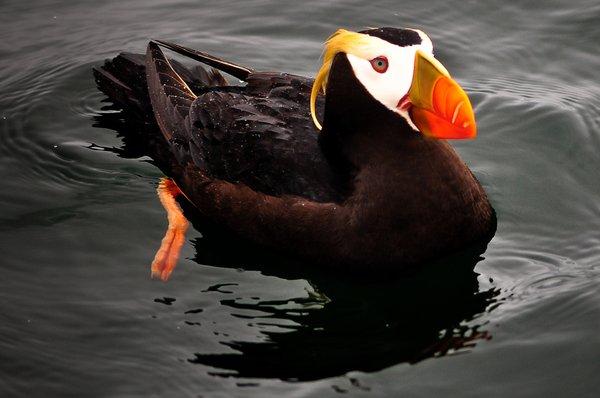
343	41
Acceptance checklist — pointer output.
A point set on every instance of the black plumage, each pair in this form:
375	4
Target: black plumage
363	192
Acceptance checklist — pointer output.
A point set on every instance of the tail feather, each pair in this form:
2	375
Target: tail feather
123	80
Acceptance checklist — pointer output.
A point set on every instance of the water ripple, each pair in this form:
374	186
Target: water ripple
79	226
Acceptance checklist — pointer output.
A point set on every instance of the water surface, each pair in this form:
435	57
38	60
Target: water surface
79	224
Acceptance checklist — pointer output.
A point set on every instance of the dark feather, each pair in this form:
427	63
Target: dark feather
260	136
235	70
249	158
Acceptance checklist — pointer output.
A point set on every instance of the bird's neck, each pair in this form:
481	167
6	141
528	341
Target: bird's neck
357	128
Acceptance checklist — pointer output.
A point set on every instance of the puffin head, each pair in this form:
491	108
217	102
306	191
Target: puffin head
397	73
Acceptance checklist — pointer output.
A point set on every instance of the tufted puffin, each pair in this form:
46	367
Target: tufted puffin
351	169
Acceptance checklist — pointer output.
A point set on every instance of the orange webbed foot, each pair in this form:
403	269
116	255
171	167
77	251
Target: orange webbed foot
170	248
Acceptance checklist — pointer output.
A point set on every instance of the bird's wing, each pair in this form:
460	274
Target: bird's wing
260	135
279	217
267	143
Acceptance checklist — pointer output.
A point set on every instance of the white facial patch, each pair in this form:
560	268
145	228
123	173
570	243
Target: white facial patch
392	85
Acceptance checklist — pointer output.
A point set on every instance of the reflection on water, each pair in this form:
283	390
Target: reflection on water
350	324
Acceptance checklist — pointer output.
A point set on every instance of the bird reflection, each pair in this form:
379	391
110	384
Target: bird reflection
349	322
352	323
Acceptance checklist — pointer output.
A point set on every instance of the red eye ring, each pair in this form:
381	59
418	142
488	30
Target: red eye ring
380	64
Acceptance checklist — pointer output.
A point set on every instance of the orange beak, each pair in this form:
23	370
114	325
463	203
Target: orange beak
439	108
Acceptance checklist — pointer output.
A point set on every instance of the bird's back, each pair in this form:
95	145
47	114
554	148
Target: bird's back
259	134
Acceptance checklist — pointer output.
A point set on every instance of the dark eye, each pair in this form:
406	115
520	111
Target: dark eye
380	64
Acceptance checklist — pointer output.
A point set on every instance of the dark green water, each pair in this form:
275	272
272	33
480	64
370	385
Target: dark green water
80	316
